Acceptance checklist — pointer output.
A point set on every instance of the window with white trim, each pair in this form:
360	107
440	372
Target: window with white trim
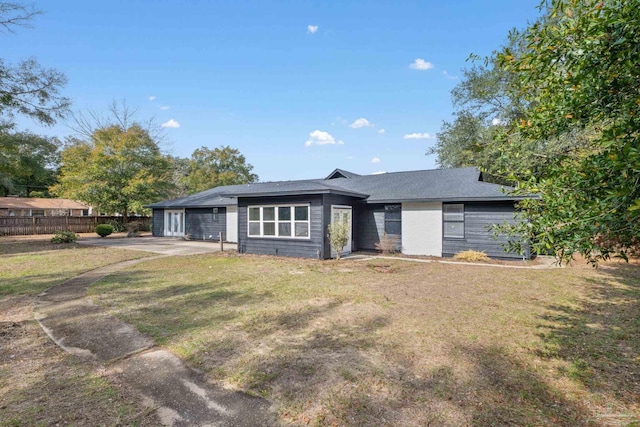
453	221
279	221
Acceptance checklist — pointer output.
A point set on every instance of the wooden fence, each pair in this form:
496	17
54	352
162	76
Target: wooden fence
25	225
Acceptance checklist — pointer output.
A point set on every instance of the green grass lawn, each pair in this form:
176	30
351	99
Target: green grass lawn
397	343
40	384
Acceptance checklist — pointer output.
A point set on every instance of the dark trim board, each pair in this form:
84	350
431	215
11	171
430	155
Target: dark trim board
478	217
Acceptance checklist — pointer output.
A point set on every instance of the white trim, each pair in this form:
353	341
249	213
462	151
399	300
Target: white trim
232	224
276	221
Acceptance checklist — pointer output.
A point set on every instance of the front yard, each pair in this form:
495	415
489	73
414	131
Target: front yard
389	342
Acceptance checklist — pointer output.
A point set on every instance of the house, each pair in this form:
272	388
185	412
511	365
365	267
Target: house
33	206
430	212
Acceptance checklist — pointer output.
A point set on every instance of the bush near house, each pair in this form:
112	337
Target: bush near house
104	230
338	234
64	237
387	244
471	255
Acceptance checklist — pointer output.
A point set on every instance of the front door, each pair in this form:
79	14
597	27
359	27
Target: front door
174	223
342	213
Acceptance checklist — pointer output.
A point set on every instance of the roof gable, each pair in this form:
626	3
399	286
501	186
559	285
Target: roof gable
340	173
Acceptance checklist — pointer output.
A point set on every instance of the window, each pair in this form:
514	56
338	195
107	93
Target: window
453	220
85	212
279	221
393	219
215	214
37	212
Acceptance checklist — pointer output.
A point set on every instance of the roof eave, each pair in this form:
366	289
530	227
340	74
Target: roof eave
449	199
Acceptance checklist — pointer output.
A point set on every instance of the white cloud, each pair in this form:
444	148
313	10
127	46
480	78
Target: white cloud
378	172
319	137
349	157
421	64
381	131
341	142
496	121
424	135
361	123
171	124
164	107
375	160
151	98
312	29
449	76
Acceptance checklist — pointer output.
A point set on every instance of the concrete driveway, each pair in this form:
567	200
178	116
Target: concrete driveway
159	245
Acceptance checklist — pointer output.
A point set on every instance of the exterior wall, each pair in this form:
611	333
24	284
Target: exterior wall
422	228
232	224
478	217
332	200
305	248
199	223
369	226
157	223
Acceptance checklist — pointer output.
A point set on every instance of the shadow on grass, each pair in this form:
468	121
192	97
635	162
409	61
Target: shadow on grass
601	338
15	246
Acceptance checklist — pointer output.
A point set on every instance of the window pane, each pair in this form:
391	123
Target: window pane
454	229
254	214
302	229
302	213
268	214
453	212
392	212
254	229
393	227
284	214
269	229
284	229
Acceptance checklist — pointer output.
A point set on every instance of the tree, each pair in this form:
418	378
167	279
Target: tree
28	163
118	170
28	88
221	166
579	72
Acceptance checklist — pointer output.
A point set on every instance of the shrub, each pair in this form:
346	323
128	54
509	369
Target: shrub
338	236
134	228
104	230
471	255
64	237
118	225
388	244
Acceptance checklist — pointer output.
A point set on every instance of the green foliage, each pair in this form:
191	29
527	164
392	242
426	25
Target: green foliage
103	230
209	168
338	233
118	170
27	163
27	88
118	225
580	72
64	237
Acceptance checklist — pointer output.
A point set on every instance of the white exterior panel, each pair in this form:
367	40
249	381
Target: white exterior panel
422	228
232	224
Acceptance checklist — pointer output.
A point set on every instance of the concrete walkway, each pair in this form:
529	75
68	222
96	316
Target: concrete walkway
181	396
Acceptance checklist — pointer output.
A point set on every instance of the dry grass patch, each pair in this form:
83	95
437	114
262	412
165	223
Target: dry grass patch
471	256
387	342
41	385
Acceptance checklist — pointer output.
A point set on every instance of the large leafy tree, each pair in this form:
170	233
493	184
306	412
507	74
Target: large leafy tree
28	163
26	87
579	71
223	165
118	170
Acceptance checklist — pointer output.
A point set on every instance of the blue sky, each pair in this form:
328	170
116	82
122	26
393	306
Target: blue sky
299	87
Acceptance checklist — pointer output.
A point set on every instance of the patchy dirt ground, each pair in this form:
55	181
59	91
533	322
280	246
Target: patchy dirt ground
397	343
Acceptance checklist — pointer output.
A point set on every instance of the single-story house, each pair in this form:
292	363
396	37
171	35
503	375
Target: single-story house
436	212
34	206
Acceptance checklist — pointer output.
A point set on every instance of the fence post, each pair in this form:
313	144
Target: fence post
66	223
221	242
34	225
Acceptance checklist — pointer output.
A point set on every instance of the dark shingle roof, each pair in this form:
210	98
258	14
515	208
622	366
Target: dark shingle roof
458	184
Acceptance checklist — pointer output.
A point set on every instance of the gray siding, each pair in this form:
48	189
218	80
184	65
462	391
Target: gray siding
369	226
200	224
157	227
312	248
328	201
478	216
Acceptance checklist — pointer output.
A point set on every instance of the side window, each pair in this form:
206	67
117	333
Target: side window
453	221
393	219
216	216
